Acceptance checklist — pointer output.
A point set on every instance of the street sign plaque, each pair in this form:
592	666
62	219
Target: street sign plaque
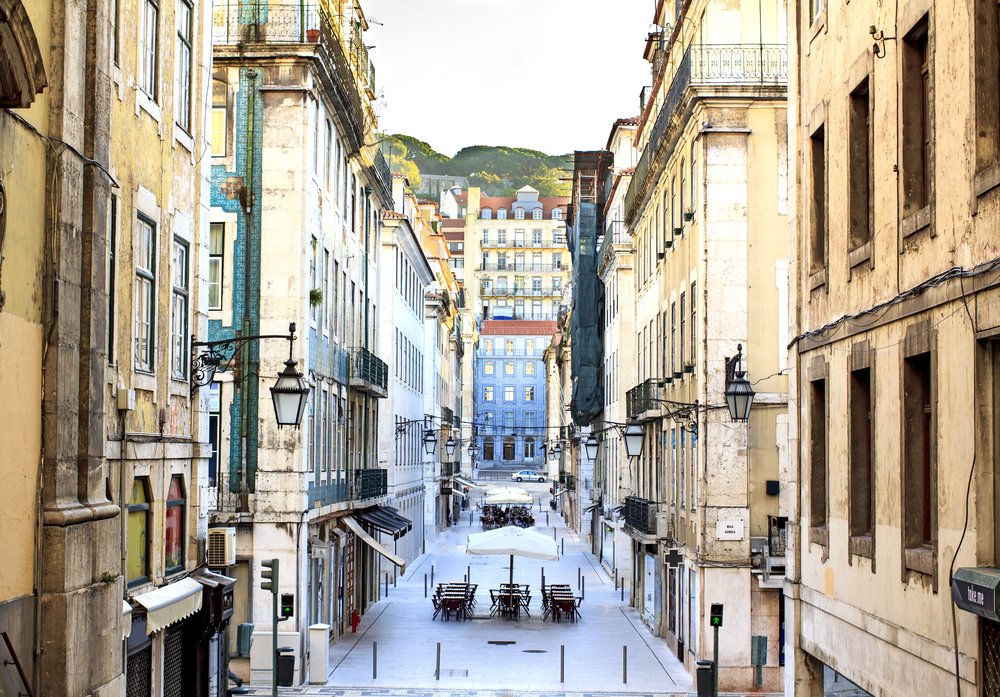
975	590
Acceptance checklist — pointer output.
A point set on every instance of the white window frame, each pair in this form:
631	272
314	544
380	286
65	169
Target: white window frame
149	49
144	310
180	284
185	35
216	265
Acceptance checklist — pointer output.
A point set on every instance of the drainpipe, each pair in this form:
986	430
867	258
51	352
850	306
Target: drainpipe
368	302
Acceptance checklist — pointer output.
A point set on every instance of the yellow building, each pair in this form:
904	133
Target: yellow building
895	354
706	210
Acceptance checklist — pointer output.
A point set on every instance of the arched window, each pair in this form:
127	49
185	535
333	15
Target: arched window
138	532
508	449
536	214
501	214
220	118
519	214
557	214
173	529
486	213
529	447
22	71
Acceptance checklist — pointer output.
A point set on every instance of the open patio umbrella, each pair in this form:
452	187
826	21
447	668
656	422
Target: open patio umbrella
514	542
509	496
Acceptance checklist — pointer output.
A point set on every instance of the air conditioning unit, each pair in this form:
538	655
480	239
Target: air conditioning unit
221	547
665	526
758	550
595	494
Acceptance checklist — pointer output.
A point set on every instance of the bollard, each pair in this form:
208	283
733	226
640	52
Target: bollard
468	574
562	663
543	578
563	543
425	585
616	578
623	590
437	666
624	664
432	575
546	517
374	660
470	518
578	577
394	577
553	532
387	585
583	588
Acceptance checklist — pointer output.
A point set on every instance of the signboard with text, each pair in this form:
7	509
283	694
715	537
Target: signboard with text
729	529
975	590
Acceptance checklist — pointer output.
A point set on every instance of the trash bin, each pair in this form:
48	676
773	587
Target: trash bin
286	666
705	678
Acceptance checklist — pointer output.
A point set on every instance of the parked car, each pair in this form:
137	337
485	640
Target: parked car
529	475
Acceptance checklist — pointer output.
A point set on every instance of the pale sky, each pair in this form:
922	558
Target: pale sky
551	75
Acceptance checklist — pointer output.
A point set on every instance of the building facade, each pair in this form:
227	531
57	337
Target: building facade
296	233
894	359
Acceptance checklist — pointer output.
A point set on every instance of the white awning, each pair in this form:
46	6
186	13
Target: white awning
373	543
171	603
464	482
126	619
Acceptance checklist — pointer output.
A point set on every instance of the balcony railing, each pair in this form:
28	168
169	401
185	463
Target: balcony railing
369	373
369	484
382	175
553	243
640	514
642	400
706	65
263	22
507	292
524	266
614	235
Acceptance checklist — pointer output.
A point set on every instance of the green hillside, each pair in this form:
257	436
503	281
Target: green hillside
499	170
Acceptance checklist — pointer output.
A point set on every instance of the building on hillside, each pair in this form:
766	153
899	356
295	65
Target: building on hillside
510	389
297	241
612	470
454	233
516	264
895	360
705	209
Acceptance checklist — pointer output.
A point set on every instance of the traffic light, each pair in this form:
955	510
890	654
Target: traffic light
287	605
715	616
269	575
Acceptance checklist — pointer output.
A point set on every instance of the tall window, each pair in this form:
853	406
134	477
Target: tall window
529	443
536	214
214	431
519	214
488	393
183	93
817	240
556	214
508	367
327	149
145	294
693	330
529	367
179	310
138	532
486	237
694	178
216	245
219	118
173	527
508	449
916	119
501	214
987	73
860	169
487	367
149	48
488	445
112	274
673	337
488	345
862	484
817	456
529	393
919	476
486	214
509	347
529	347
502	236
683	318
508	393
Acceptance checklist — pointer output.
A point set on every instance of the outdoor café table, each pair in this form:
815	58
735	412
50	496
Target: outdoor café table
558	601
453	597
508	600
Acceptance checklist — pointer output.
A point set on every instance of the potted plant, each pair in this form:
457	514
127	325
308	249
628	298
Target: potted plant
315	297
669	243
669	380
689	214
678	374
660	255
678	231
312	35
688	367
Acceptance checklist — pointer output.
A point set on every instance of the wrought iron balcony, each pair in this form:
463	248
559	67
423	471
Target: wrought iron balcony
523	266
642	401
369	484
613	239
521	292
369	373
640	515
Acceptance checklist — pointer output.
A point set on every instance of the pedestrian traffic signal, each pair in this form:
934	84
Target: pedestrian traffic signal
269	575
287	605
715	616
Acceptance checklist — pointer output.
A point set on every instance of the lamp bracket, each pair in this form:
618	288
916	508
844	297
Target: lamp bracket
222	354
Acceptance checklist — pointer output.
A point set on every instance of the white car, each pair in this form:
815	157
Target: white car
529	475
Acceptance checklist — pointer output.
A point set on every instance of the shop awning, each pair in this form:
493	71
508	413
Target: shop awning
386	519
213	579
593	507
354	527
463	481
171	603
126	619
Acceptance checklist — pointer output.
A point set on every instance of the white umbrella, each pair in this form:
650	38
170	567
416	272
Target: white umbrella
513	541
511	496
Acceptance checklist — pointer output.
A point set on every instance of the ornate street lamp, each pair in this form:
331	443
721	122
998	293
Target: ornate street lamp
289	395
430	441
450	445
591	446
739	393
634	436
473	451
557	450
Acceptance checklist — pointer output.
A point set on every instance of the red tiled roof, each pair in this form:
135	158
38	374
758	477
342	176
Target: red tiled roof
495	203
630	121
453	223
519	327
393	215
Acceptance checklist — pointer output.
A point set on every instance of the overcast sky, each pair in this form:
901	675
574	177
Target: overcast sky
552	75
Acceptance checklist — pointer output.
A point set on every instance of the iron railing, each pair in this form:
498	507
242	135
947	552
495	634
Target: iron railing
706	65
523	266
236	22
643	397
326	493
369	368
382	175
506	291
614	235
369	484
640	514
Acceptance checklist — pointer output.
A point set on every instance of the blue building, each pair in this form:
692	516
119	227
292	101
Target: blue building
509	403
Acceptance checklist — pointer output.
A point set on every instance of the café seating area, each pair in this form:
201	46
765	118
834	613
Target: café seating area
495	516
458	599
509	602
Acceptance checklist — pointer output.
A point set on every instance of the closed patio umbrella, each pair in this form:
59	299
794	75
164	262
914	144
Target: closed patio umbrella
514	542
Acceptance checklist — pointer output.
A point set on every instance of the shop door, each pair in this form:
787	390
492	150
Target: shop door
173	662
138	674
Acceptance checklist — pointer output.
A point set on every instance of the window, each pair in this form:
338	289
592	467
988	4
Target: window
508	449
683	319
508	393
183	95
486	214
486	237
179	311
536	214
673	339
693	331
509	347
219	118
173	526
916	114
817	239
502	214
817	458
816	9
214	431
529	367
508	421
529	393
694	178
557	260
488	446
529	347
117	18
529	443
502	236
556	285
987	70
487	367
145	294
216	244
488	345
919	475
138	532
862	483
327	149
556	214
508	367
112	274
149	48
860	169
519	214
488	393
